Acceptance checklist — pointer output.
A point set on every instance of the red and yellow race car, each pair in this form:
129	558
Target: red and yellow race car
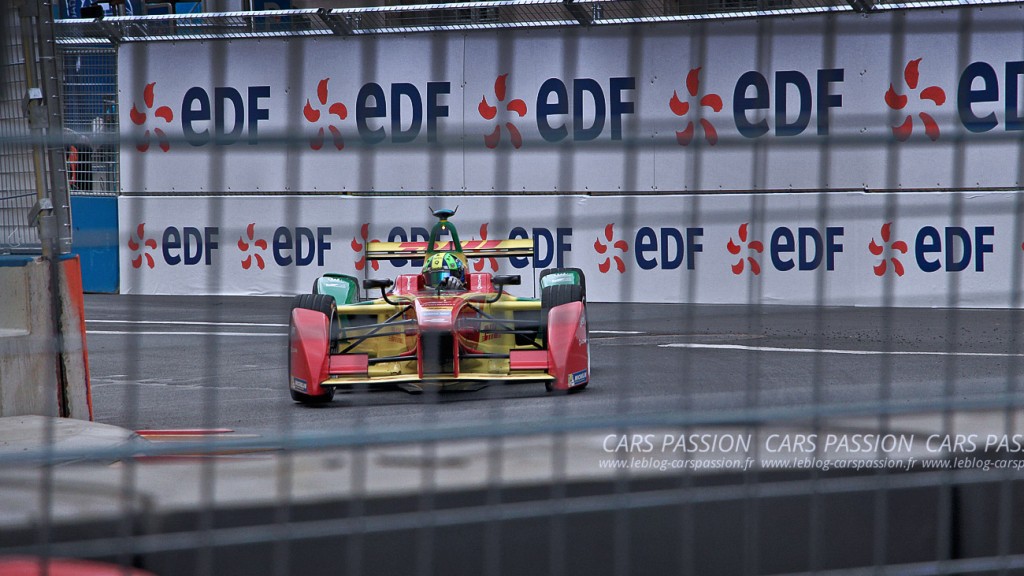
443	328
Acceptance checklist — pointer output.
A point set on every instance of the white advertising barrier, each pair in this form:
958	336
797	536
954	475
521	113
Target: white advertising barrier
913	250
886	101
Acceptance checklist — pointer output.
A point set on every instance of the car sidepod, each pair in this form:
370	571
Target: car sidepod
568	346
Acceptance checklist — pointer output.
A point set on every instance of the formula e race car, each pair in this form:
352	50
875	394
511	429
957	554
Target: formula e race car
440	329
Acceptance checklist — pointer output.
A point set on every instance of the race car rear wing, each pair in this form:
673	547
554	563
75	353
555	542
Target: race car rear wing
471	248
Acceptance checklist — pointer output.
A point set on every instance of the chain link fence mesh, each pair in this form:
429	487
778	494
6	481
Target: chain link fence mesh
508	481
18	189
91	120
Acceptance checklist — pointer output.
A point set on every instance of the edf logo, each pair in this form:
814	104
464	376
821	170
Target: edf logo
554	103
194	246
399	112
803	249
666	248
752	95
782	103
226	105
953	249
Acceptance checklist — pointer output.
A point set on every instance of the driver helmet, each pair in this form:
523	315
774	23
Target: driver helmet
442	265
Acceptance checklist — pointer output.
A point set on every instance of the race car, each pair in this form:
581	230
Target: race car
443	328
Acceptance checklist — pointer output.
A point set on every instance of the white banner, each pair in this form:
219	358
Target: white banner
914	250
928	100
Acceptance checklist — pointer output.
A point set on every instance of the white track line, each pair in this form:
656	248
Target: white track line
698	346
253	324
182	323
147	333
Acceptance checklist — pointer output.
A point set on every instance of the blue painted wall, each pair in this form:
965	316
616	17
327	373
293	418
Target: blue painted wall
95	241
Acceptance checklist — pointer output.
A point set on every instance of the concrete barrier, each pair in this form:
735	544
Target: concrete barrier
43	368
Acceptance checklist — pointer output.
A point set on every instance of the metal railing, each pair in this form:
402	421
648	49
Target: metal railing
485	15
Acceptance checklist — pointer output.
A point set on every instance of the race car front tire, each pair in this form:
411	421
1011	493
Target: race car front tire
558	294
326	305
307	399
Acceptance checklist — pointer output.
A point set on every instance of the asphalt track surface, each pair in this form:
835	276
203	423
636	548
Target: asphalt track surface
172	362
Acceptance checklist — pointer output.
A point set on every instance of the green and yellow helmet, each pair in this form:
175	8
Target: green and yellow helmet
441	265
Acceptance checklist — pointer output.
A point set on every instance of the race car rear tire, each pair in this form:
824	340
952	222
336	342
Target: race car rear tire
326	305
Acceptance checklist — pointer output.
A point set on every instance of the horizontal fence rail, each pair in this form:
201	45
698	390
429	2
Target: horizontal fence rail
507	14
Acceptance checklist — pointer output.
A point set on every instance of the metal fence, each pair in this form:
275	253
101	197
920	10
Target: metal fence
745	438
30	116
19	173
91	119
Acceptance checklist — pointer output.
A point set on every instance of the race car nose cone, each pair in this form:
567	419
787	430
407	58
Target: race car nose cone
435	314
